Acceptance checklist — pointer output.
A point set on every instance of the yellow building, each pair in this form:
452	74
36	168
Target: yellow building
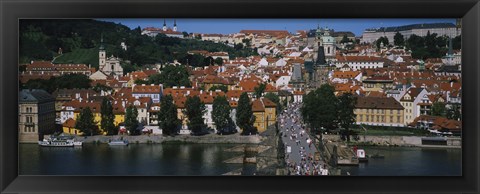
264	111
381	111
69	127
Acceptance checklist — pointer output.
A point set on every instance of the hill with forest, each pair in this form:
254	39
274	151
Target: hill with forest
79	40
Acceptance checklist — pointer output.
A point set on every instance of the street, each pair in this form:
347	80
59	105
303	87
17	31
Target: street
299	146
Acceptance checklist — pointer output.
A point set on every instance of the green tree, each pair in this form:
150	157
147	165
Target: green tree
383	40
194	110
131	122
86	123
219	61
274	98
453	112
221	114
100	87
346	116
439	109
238	46
259	90
244	115
171	76
167	116
398	39
319	108
345	39
108	117
223	88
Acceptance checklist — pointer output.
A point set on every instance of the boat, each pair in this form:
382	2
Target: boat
361	155
77	143
54	142
118	143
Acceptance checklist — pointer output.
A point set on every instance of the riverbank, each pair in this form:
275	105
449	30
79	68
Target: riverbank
396	141
160	139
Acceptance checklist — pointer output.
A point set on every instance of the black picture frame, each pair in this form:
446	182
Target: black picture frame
11	11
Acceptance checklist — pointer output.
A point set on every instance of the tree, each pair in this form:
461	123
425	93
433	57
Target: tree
86	123
398	39
319	108
223	88
439	109
346	116
383	40
259	90
274	98
219	61
345	39
221	114
194	110
108	117
171	76
167	116
131	122
238	46
244	115
454	112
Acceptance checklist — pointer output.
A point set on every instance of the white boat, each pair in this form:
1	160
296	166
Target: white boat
56	142
77	143
118	143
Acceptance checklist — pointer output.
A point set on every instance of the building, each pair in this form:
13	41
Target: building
410	101
153	91
109	66
359	62
297	79
441	29
36	115
264	111
438	124
169	32
378	83
380	111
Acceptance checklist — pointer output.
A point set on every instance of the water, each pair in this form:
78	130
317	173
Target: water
207	159
405	161
141	159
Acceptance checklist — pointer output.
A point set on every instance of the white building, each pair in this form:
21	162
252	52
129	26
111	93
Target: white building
441	29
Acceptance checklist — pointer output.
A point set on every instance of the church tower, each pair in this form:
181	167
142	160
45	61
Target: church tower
101	55
174	25
164	25
328	44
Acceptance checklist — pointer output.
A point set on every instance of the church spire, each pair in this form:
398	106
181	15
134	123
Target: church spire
164	25
174	25
102	47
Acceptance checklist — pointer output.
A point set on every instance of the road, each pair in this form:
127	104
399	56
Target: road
299	147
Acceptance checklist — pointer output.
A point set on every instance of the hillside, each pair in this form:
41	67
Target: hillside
79	40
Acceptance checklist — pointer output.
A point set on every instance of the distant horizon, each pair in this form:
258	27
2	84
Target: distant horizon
229	26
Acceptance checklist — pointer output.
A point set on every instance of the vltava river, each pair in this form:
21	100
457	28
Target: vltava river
134	159
408	161
207	159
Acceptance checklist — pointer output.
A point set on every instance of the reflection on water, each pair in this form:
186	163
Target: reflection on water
207	159
401	161
167	159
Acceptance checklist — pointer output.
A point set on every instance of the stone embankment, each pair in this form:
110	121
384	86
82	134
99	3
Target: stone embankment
154	139
403	141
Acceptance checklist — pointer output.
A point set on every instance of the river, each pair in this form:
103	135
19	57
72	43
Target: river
207	159
135	159
409	161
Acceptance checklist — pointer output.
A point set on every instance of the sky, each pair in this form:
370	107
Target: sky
228	26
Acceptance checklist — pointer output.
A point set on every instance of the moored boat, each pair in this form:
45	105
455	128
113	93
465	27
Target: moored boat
118	143
56	142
